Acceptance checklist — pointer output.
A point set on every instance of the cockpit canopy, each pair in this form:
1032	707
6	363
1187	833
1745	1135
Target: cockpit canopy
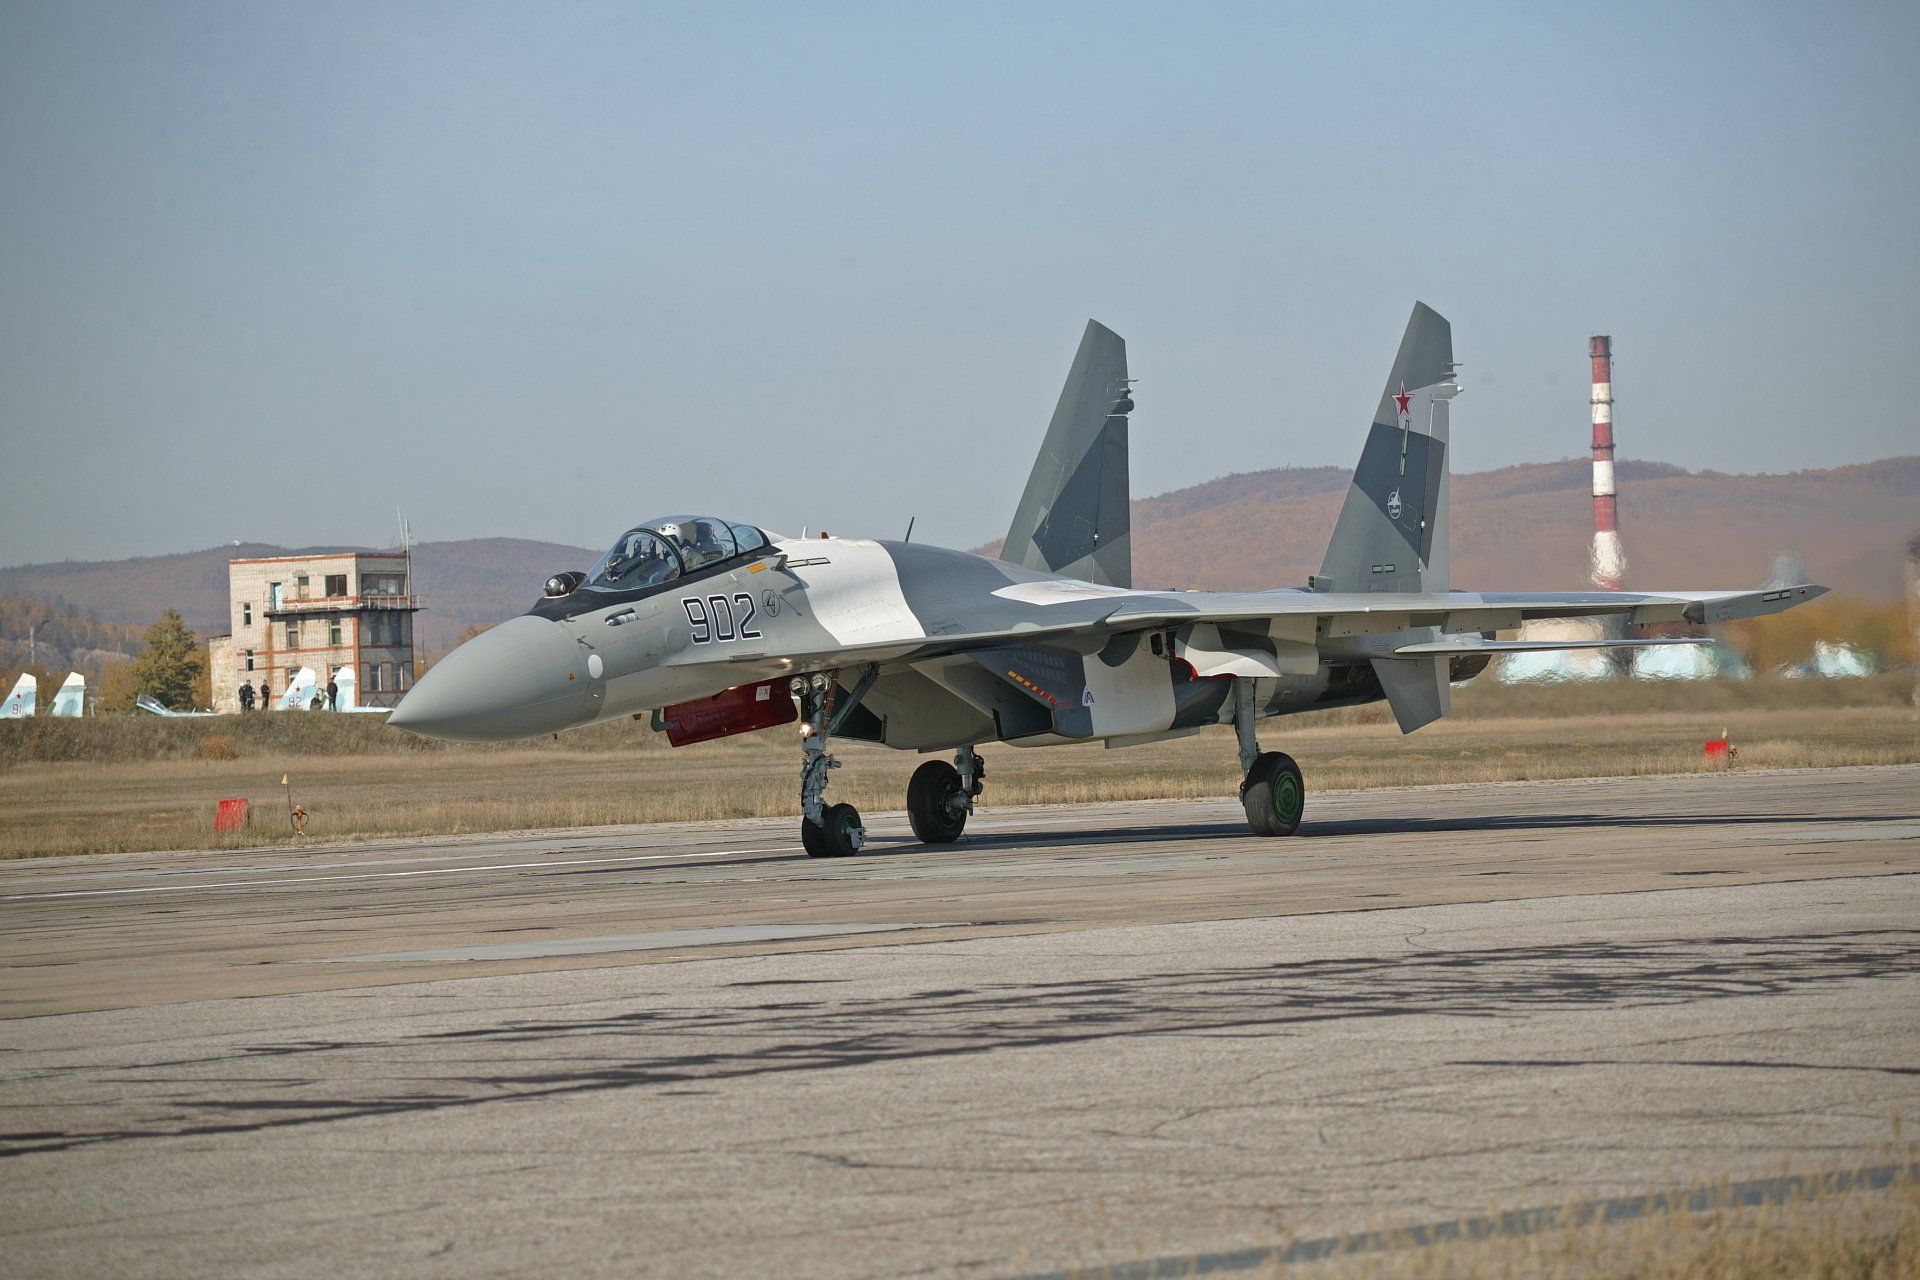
656	551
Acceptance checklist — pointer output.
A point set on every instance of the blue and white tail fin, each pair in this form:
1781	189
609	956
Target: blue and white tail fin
19	704
299	694
349	686
70	702
1393	530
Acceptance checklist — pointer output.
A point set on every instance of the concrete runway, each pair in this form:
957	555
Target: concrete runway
1079	1038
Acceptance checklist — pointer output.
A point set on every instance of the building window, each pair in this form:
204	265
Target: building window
333	632
336	585
373	677
246	615
301	586
293	633
249	659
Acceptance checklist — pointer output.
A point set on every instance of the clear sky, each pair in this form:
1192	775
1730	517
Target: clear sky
270	271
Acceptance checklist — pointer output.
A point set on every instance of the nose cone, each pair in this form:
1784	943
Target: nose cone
527	676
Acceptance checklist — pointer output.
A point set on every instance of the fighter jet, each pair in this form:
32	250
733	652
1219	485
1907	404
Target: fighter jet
712	627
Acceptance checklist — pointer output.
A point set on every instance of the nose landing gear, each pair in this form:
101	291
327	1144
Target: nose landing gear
826	831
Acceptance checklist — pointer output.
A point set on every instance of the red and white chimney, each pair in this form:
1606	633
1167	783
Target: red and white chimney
1609	558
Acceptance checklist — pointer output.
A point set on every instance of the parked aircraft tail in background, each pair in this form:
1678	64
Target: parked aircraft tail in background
71	700
299	694
19	704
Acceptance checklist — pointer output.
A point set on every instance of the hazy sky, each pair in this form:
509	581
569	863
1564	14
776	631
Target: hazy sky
271	271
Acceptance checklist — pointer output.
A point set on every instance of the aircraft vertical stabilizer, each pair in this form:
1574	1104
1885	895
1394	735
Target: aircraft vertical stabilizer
71	700
299	694
19	704
1392	534
1072	519
349	686
1392	531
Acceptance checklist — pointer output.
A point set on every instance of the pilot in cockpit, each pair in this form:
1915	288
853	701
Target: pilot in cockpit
641	560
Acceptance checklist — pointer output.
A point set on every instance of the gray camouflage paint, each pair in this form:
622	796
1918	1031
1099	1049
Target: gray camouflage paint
1072	519
968	650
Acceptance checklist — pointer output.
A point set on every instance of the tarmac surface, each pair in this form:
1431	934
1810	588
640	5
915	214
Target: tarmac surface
1079	1038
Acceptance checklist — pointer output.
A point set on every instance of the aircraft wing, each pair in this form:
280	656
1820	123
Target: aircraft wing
1286	630
1354	614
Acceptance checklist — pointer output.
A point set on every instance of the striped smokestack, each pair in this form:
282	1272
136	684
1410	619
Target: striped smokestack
1609	559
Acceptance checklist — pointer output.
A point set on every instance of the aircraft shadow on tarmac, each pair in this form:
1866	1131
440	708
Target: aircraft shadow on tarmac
699	1046
1311	831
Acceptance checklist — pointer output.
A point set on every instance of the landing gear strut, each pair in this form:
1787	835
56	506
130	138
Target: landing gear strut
941	795
1273	793
826	831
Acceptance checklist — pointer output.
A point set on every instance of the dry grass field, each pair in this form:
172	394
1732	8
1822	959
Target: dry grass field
121	783
1820	1225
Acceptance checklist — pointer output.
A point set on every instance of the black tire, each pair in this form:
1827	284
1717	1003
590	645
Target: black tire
931	794
814	839
842	820
1275	795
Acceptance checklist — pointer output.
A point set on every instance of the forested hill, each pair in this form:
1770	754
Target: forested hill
1517	528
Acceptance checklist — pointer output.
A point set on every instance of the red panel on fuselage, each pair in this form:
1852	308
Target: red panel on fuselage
738	710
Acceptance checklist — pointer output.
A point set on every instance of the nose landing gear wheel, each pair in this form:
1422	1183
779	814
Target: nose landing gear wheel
838	835
1274	795
937	803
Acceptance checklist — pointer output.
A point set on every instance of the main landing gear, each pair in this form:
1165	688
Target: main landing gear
939	797
1273	793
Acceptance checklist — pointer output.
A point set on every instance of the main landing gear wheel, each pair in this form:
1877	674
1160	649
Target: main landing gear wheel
1274	795
836	837
937	803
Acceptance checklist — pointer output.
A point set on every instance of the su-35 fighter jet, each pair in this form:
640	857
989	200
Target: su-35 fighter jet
717	628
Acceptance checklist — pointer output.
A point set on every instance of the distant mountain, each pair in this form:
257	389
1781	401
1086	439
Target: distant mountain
1518	528
1528	527
478	580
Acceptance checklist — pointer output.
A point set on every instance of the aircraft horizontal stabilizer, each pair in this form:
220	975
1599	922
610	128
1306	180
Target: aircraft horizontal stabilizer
1418	689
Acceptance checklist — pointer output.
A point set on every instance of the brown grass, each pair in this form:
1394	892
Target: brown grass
1821	1226
148	784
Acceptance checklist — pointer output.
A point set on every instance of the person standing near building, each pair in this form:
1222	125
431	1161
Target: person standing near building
246	696
333	694
266	695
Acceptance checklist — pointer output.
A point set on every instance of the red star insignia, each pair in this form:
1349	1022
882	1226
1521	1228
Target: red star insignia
1403	399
